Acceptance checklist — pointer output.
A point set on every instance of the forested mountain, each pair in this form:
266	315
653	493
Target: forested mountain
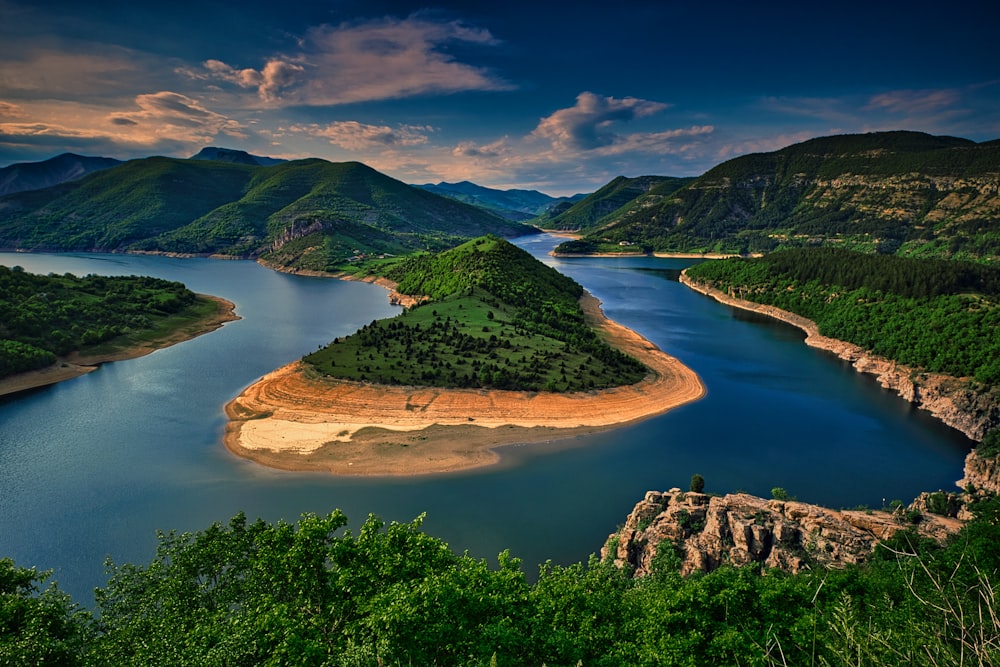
610	202
512	204
36	175
497	318
891	192
309	214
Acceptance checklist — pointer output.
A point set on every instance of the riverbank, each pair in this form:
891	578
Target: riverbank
291	419
953	401
75	364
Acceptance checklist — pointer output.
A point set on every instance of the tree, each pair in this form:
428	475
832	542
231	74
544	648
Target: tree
697	483
38	627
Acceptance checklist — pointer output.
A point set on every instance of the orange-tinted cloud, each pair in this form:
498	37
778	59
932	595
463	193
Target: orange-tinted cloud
374	60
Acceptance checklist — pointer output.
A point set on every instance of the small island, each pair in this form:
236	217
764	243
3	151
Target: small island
54	328
500	350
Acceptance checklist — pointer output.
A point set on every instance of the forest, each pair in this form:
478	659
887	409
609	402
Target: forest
939	316
45	317
317	593
496	318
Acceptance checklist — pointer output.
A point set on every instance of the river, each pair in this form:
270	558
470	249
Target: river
93	467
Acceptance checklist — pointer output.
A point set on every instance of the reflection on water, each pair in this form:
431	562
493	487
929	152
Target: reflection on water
94	466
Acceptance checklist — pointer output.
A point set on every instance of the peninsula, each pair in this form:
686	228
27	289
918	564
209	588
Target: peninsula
56	328
505	351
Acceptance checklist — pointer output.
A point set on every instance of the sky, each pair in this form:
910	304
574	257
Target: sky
558	97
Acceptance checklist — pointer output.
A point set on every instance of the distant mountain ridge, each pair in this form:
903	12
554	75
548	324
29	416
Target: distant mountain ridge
25	176
302	214
512	204
235	156
892	192
594	210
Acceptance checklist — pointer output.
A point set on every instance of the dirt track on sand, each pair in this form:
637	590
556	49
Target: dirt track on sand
294	421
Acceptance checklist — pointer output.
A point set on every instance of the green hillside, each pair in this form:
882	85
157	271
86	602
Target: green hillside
496	318
595	209
304	214
43	317
890	192
934	315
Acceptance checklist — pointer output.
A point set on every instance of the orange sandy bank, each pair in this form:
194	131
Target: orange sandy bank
293	420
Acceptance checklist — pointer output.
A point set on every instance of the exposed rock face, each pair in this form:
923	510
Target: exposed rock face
738	529
973	410
981	474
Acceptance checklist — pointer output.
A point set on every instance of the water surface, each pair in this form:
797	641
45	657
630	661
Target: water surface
94	466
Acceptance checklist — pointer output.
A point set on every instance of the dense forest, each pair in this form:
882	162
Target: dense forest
940	316
315	593
45	317
496	318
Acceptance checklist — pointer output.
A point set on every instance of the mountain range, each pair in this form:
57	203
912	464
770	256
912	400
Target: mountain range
513	204
892	192
37	175
304	214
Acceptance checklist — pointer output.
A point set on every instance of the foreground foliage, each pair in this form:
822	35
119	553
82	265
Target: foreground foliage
42	317
497	318
939	316
314	593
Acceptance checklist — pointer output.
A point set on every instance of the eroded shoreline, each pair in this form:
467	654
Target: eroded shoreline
292	420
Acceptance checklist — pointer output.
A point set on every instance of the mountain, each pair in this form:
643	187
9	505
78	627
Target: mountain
306	214
591	211
515	204
891	192
234	156
36	175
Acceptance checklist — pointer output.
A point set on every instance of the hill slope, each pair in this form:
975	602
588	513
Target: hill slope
596	209
904	192
310	214
36	175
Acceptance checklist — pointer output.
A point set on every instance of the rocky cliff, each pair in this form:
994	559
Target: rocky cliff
738	529
973	410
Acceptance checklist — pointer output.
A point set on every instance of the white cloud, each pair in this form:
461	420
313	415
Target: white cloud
375	60
588	124
354	136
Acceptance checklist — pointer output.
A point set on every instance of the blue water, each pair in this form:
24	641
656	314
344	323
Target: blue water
93	467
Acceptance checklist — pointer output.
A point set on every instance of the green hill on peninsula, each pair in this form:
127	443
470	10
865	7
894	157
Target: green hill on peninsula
304	214
496	318
906	193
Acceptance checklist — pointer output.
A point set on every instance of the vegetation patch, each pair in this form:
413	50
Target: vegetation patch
44	317
939	316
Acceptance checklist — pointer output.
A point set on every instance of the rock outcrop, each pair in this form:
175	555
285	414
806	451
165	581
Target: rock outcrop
982	474
973	410
739	529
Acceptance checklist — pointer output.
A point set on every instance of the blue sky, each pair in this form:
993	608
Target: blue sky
558	97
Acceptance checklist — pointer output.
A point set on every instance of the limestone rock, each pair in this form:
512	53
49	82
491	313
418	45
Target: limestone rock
739	529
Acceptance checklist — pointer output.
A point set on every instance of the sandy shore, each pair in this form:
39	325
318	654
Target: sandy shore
293	420
75	365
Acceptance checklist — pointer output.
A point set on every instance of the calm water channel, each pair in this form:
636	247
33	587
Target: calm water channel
94	466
